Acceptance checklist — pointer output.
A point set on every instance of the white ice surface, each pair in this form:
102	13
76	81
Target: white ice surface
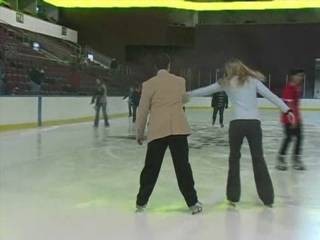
73	182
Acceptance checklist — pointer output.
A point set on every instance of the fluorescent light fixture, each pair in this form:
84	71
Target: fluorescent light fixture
189	5
36	46
90	57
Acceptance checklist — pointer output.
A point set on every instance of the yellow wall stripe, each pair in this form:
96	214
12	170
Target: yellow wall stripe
188	5
12	127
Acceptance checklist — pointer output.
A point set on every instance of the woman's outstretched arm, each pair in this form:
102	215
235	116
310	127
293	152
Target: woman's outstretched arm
206	91
265	92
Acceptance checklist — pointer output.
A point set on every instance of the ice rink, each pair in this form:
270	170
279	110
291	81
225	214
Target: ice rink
74	182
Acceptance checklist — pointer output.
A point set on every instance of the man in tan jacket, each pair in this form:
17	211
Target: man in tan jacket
162	99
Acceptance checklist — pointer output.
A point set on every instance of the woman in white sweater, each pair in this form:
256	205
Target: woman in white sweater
242	85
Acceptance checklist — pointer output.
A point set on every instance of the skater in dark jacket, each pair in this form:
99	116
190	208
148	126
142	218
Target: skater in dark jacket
135	100
219	102
100	100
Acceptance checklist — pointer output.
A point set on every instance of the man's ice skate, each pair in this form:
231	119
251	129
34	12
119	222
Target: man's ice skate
197	208
140	209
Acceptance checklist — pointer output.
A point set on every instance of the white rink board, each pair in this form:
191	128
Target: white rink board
21	110
60	108
17	110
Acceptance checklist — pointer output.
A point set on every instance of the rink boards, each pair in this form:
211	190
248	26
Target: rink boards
25	112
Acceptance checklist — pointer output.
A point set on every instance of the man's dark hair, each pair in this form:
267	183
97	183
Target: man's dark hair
162	61
296	71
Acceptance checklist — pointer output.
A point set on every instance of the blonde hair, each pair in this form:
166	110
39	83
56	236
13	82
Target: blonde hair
237	68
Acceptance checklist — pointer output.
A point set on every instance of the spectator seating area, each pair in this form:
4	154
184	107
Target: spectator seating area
60	77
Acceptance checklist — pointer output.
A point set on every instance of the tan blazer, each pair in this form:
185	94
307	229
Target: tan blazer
163	97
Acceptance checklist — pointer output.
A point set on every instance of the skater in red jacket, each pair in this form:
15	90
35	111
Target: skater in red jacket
291	95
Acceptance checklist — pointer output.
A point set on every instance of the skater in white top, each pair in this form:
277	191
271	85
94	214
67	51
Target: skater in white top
242	85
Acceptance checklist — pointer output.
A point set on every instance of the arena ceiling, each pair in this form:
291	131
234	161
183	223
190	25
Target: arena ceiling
195	5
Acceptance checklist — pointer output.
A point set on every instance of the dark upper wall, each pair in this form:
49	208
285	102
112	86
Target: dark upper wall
111	30
260	17
273	48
